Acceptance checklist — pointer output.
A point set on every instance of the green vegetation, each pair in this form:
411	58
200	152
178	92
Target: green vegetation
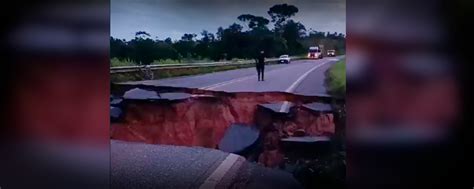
115	62
176	72
237	41
166	61
336	78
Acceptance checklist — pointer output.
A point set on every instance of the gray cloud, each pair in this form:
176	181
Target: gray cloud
173	18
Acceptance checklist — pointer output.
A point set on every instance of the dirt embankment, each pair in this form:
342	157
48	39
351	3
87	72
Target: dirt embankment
202	118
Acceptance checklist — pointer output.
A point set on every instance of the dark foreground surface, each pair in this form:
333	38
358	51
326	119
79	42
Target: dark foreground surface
137	165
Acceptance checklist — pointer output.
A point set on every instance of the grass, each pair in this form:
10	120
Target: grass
115	62
166	61
336	78
174	72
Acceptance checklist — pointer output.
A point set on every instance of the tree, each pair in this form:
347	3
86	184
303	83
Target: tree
233	43
143	50
281	12
188	37
316	34
185	46
288	37
205	47
235	28
168	41
164	50
340	36
254	21
141	34
118	48
219	33
207	37
293	31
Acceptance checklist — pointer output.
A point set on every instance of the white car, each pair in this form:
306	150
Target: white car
284	59
331	53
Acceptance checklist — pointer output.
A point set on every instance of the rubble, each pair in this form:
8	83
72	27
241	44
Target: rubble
238	138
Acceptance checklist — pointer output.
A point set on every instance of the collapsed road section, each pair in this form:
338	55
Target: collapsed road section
274	129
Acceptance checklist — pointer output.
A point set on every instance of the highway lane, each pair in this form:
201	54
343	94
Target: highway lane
304	77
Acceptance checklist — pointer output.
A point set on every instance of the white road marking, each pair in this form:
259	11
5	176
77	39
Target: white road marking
219	172
217	85
286	104
226	82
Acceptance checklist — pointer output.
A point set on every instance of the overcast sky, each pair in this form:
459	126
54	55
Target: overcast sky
173	18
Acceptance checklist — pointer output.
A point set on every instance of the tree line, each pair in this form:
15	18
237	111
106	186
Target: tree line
236	41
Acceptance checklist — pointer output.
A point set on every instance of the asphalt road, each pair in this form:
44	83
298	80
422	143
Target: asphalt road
138	165
304	77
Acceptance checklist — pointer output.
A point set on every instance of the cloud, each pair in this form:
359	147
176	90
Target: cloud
170	18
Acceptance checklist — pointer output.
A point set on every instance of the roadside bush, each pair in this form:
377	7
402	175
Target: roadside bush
336	79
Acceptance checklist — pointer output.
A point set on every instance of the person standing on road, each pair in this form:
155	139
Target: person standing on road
261	65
